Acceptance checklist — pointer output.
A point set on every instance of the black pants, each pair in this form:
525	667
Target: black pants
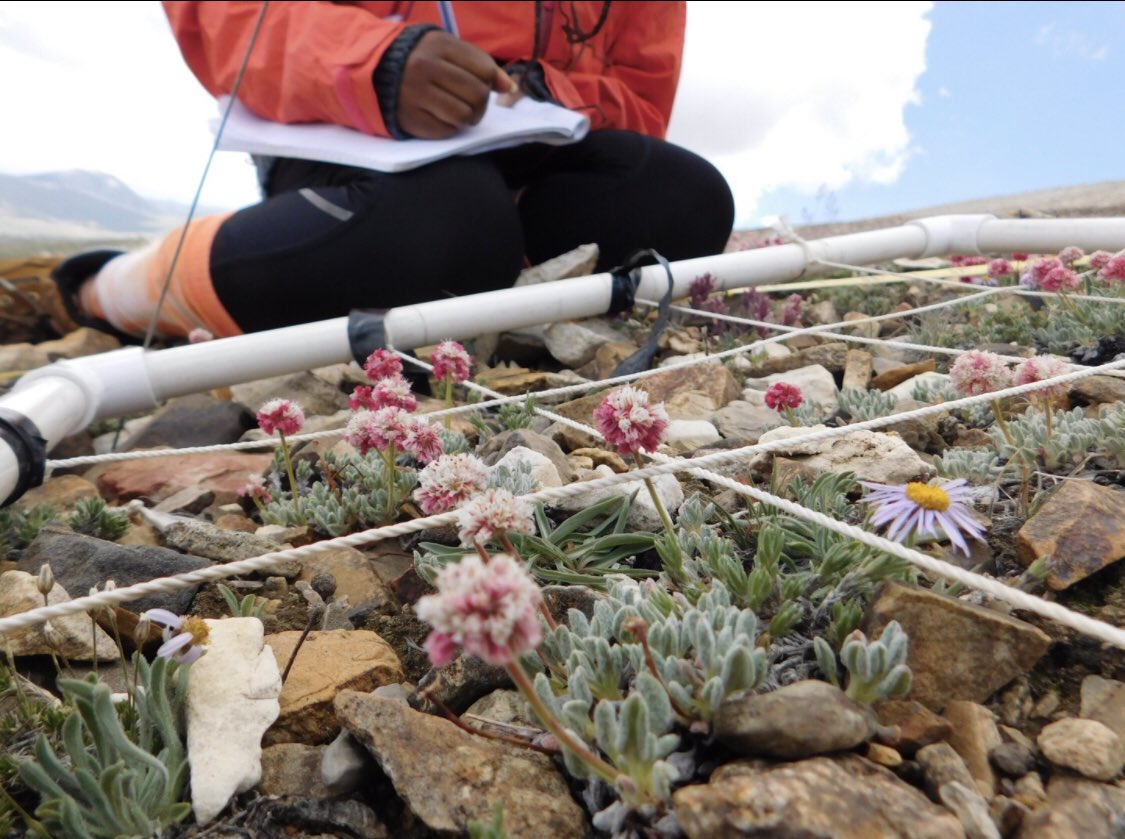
332	238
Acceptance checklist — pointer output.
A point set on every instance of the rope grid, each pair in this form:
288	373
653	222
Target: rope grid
700	466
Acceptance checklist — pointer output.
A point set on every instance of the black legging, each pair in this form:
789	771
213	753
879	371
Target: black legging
332	238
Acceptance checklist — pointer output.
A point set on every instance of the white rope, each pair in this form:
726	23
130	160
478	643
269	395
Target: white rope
172	583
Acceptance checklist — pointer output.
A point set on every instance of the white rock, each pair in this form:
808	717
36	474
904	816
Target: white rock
815	382
643	514
741	419
344	764
689	435
575	344
542	470
872	456
232	699
1088	747
758	354
905	390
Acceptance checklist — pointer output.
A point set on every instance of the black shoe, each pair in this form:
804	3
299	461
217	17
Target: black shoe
69	276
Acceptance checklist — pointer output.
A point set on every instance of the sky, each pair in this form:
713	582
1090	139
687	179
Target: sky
814	111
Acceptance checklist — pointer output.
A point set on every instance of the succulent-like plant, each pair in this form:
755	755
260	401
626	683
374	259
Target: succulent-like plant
862	405
93	518
114	778
19	527
876	669
250	606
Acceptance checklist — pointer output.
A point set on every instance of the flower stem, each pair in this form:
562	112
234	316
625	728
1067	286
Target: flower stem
390	468
292	477
663	513
567	740
447	420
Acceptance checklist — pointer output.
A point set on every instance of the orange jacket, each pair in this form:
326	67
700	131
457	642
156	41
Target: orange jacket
313	61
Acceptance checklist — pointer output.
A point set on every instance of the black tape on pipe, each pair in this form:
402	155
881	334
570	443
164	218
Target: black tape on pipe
24	439
366	333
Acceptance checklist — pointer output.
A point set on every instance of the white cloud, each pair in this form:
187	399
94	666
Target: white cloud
103	86
800	95
944	92
1071	43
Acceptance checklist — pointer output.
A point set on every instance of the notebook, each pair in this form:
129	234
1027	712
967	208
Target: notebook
528	121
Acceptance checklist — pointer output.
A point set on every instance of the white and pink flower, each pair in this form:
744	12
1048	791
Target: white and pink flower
423	440
451	362
281	415
976	372
1037	369
629	423
381	364
449	481
491	513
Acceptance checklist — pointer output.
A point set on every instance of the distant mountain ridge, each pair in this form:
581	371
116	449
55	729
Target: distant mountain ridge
80	206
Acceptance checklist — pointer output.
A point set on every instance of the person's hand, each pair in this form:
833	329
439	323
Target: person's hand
445	86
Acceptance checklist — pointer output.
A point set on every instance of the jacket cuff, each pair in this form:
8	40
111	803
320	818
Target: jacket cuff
387	77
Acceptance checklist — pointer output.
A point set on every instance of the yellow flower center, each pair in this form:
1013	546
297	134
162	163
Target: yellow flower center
928	497
197	627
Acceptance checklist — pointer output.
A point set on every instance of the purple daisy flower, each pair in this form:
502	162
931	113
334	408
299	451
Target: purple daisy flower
921	509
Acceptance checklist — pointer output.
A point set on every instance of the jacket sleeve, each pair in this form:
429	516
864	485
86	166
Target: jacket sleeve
643	58
311	62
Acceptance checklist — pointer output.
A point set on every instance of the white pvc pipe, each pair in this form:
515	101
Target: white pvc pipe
129	380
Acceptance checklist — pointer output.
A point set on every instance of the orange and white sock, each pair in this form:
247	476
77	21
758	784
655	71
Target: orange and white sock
127	288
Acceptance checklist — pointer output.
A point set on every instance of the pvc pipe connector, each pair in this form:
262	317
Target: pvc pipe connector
951	234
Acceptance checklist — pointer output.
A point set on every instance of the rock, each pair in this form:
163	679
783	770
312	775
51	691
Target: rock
293	769
159	477
872	456
326	664
941	765
574	344
231	701
883	755
906	389
497	447
1086	746
857	370
188	501
1029	790
196	420
742	420
344	763
80	342
643	514
459	684
355	577
799	720
842	798
866	327
607	358
974	736
601	457
1012	759
1007	814
688	435
513	380
1103	700
1097	390
971	810
504	706
61	492
917	725
81	562
543	471
817	385
923	434
307	818
579	262
449	778
1077	809
560	599
689	405
897	375
822	312
72	637
1081	527
203	539
316	396
832	357
992	649
712	379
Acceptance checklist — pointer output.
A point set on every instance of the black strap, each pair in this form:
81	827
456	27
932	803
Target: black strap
626	279
30	449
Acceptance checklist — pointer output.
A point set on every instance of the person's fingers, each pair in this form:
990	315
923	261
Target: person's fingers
503	83
448	79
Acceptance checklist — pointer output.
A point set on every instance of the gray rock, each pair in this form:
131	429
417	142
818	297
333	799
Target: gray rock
575	344
196	420
311	392
941	765
292	769
82	562
504	706
872	456
689	435
459	684
496	447
1077	808
343	764
1012	759
815	382
742	420
449	778
203	539
799	720
1086	746
841	798
1104	700
310	818
971	810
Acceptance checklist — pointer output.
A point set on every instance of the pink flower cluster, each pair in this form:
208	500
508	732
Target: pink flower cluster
1059	280
451	362
392	429
1040	367
493	512
1113	270
999	268
281	415
780	396
382	364
489	609
977	372
448	481
1070	254
255	487
1035	273
389	392
629	423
